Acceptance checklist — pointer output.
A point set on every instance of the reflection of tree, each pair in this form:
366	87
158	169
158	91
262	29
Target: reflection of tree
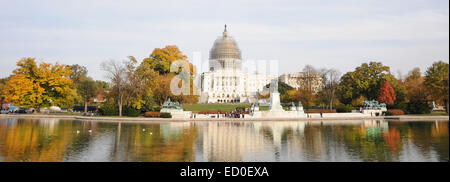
439	134
392	139
28	140
368	147
313	143
140	145
421	135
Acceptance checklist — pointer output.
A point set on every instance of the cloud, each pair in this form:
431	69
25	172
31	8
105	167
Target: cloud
325	33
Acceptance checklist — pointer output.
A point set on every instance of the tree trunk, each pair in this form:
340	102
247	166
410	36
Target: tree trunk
331	103
446	105
331	100
85	106
120	105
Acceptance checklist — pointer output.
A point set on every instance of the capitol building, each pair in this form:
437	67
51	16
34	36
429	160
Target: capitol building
225	82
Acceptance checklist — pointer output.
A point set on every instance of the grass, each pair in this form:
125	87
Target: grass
195	108
101	116
430	114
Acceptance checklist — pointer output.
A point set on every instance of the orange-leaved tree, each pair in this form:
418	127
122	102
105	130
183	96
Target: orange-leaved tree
387	94
36	86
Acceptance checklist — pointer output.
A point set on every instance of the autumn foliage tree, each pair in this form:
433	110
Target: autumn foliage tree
161	58
160	61
3	87
437	82
37	86
387	94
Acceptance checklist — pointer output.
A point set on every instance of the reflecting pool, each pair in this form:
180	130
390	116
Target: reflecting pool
362	140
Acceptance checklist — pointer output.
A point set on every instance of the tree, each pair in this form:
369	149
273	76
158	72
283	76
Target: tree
161	59
37	86
86	89
330	80
309	78
3	90
283	89
413	85
101	90
77	72
162	88
437	82
141	81
306	96
365	81
387	94
418	106
116	73
101	84
290	96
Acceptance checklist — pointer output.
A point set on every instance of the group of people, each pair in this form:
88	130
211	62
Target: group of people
234	114
310	115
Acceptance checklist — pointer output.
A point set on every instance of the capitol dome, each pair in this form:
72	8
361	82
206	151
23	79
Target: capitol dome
225	47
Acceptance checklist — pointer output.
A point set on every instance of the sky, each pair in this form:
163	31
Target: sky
325	34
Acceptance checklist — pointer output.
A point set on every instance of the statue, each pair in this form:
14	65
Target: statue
275	104
373	105
274	85
299	106
293	108
172	105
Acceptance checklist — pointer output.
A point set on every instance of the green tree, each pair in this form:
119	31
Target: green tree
77	72
282	87
365	81
437	82
86	89
141	81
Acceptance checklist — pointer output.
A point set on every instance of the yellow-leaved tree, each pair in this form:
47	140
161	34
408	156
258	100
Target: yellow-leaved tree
36	86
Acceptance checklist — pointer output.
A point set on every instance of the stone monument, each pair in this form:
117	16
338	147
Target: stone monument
275	104
175	109
275	108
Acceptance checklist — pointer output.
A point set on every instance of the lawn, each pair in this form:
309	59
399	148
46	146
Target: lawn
431	114
195	108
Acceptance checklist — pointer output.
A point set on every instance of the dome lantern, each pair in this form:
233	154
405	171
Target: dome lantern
225	47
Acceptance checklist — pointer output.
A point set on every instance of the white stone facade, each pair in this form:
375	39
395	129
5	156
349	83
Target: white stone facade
299	80
225	82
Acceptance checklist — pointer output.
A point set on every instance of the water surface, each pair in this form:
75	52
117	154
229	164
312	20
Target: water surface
362	140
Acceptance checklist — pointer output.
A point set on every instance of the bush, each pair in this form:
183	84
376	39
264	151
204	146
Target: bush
130	111
166	115
394	112
152	114
403	106
346	108
156	109
418	106
109	110
321	111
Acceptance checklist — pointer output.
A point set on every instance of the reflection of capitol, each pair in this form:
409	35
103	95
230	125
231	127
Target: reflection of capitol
345	140
241	141
274	141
